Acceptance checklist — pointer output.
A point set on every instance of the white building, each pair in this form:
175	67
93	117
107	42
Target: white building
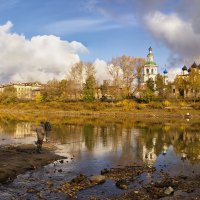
150	69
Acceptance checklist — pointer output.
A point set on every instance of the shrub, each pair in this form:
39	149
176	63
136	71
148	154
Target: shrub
155	105
147	96
196	106
182	104
140	106
166	103
128	105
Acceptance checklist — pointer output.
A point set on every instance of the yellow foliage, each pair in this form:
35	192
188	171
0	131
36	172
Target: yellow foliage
182	104
166	103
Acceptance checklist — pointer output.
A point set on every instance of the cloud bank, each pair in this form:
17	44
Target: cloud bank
173	24
40	58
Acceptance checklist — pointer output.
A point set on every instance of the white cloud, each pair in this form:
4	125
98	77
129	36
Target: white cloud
178	35
172	72
41	58
101	68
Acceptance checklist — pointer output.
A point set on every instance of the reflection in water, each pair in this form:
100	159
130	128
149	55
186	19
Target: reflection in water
23	130
130	142
16	132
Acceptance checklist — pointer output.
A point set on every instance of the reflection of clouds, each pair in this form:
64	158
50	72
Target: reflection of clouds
100	141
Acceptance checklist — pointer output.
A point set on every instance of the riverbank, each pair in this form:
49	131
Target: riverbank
16	160
124	109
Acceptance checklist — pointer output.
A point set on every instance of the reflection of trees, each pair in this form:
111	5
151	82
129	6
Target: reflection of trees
188	142
8	126
88	132
184	138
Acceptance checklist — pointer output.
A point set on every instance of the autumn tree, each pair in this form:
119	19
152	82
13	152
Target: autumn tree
150	84
181	83
130	68
89	70
76	78
160	86
9	95
89	89
52	91
194	82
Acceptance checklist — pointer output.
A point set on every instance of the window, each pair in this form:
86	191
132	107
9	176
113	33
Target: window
147	71
152	71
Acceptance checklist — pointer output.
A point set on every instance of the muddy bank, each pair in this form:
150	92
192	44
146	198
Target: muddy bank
19	159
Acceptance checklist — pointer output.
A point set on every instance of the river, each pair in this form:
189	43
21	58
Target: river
90	147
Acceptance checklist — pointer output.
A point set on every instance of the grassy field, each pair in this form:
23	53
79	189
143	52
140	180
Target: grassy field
107	111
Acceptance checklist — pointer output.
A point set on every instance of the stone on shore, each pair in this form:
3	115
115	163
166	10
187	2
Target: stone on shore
98	179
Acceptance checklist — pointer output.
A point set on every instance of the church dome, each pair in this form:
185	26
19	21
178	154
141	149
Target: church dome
194	65
165	71
184	68
150	49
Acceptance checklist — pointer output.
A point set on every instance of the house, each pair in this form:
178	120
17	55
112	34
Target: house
25	91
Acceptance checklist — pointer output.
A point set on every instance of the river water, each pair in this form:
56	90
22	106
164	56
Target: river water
90	147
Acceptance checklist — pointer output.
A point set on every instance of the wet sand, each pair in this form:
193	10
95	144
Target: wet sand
16	160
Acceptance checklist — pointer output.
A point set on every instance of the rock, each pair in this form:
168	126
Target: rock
50	184
61	161
60	170
122	184
169	190
79	178
98	179
104	171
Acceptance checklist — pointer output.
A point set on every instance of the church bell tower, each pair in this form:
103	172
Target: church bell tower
150	68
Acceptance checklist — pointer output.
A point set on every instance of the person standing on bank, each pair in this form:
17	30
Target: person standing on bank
47	127
40	136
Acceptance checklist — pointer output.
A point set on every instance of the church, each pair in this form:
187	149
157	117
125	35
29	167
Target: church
150	69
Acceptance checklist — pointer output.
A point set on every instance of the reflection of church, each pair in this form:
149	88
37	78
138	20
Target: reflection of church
149	155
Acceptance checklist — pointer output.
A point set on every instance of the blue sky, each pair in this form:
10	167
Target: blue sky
104	35
110	28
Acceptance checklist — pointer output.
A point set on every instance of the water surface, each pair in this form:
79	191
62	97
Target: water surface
90	147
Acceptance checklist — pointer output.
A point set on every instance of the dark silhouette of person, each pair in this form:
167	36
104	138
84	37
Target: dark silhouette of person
47	128
40	136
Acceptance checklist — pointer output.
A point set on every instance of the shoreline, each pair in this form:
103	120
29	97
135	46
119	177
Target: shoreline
147	113
19	159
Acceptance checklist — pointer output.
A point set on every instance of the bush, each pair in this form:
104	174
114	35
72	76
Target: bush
196	106
166	103
155	105
140	106
147	96
182	104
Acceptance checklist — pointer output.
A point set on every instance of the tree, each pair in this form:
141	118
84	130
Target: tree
182	84
194	82
160	86
9	95
89	89
89	69
150	84
52	91
76	78
139	64
130	68
147	96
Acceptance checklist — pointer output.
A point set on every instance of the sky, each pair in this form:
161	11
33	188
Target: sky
42	39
